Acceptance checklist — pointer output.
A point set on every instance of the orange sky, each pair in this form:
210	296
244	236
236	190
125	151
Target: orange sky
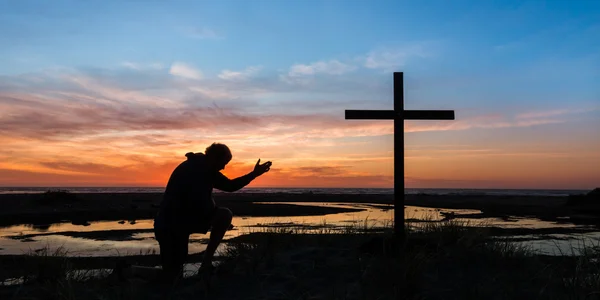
78	145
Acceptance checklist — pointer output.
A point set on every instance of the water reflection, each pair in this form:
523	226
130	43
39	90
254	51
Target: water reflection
548	244
562	244
114	242
41	227
437	214
110	238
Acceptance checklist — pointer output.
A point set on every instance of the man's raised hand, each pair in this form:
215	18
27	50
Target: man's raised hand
260	169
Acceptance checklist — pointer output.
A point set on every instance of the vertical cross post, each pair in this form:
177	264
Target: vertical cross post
399	159
398	115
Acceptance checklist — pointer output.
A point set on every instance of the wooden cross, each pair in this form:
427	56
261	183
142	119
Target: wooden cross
399	115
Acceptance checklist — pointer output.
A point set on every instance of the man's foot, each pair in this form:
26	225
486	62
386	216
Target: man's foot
122	271
205	273
207	269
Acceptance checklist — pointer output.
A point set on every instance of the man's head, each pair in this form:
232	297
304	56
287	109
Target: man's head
218	156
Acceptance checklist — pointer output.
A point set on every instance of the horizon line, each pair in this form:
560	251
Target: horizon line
279	187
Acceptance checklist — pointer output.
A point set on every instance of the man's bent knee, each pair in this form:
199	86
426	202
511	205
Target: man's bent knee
225	213
223	216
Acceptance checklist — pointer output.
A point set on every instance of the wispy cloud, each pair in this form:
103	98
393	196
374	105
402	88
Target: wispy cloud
211	93
553	113
482	122
489	152
239	75
390	58
325	176
184	70
383	58
320	171
92	106
332	67
58	120
303	74
143	66
86	167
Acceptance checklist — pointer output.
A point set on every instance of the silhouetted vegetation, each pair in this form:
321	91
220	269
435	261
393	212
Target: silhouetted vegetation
441	260
453	260
591	198
54	197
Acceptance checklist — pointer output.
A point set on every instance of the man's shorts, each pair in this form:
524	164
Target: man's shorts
203	222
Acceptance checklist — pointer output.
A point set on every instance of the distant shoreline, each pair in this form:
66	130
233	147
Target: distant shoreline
81	208
263	190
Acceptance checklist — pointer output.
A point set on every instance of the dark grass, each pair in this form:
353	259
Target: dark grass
441	260
454	260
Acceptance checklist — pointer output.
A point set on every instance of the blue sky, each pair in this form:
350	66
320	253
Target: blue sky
511	69
457	39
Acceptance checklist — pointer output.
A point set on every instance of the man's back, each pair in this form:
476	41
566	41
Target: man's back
188	194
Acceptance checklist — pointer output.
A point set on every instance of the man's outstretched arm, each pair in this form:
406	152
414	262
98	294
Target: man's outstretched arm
231	185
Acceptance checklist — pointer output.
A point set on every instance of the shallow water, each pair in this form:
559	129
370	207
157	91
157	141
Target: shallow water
549	244
124	238
435	214
144	242
563	244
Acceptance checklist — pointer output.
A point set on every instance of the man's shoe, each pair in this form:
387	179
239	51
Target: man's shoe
206	269
205	273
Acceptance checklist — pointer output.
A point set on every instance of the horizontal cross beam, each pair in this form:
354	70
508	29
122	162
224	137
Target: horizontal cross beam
407	114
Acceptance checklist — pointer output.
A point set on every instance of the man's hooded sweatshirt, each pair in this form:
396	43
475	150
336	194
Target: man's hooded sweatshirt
187	202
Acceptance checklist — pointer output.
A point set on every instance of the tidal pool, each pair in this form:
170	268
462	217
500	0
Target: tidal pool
112	238
107	238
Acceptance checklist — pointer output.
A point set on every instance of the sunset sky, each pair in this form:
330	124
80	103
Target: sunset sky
114	93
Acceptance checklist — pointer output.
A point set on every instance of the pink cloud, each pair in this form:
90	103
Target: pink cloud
552	113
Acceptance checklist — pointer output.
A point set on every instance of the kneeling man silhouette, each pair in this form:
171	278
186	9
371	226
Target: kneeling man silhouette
188	207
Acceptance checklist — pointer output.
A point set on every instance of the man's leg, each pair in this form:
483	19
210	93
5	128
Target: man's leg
167	252
220	223
182	252
172	248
